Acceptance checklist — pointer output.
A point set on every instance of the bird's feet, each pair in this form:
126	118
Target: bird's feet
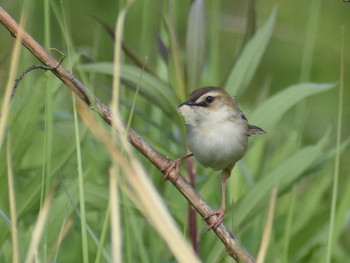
219	217
169	167
173	165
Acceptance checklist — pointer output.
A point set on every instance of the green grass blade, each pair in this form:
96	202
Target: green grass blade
250	22
288	226
283	175
272	110
331	239
81	190
150	87
103	236
177	71
310	39
213	49
245	68
195	40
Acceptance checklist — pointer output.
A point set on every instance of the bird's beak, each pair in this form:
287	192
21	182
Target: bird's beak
183	104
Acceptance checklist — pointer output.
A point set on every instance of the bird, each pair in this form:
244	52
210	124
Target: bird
217	136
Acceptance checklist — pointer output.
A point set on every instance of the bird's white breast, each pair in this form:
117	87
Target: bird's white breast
216	140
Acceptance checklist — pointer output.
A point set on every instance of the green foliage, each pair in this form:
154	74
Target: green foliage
273	109
195	44
200	41
244	70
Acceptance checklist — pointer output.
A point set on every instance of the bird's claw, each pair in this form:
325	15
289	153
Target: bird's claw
219	217
172	165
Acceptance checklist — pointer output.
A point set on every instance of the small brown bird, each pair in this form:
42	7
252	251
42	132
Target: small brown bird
217	135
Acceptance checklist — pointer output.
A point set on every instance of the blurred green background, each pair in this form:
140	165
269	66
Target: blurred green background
297	153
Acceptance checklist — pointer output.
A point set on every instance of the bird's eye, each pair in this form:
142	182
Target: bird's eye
209	99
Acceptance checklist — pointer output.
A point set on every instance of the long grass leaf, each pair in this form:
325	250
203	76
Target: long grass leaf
310	40
65	229
105	228
12	201
331	240
48	138
115	216
245	68
268	227
81	190
83	224
7	95
250	22
283	175
177	72
38	230
150	87
213	48
195	40
272	110
288	226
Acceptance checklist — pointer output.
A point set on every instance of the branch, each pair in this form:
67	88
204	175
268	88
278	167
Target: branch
234	248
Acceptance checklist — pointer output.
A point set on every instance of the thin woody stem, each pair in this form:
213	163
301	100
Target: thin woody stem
192	215
234	248
18	80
